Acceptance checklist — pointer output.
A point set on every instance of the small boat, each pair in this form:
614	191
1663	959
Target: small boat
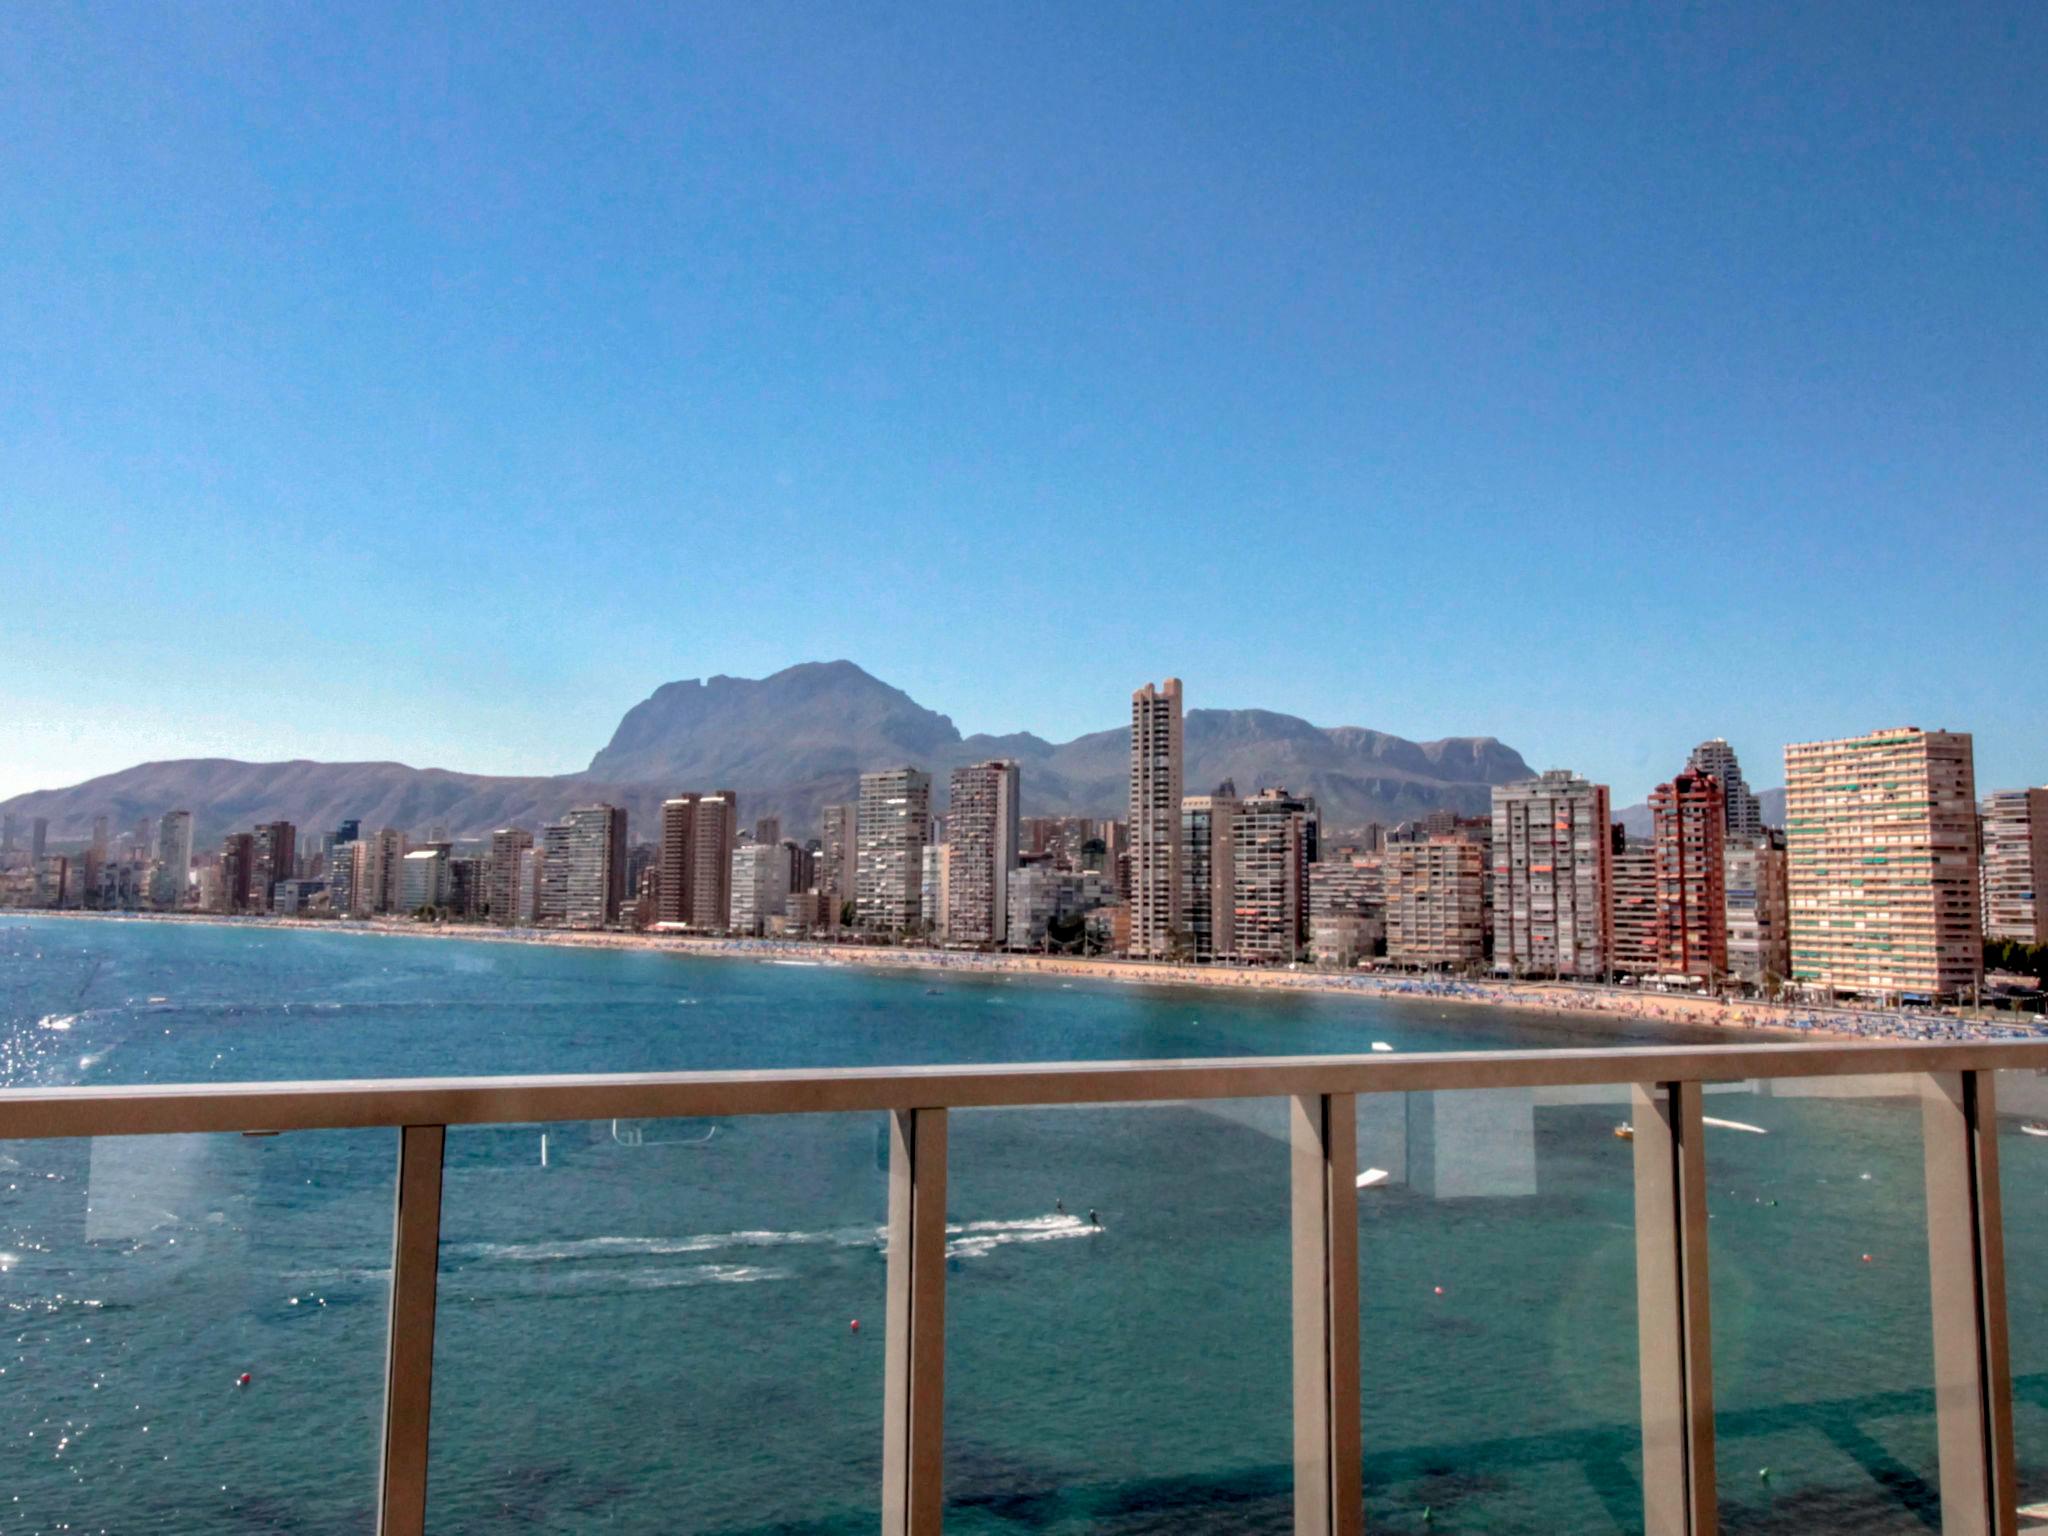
1624	1132
1372	1178
2034	1128
1734	1125
1381	1046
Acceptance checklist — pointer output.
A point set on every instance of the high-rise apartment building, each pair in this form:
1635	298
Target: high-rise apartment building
1689	840
501	880
1155	830
423	878
237	871
932	889
277	855
2015	861
1270	847
760	876
583	869
1881	847
347	876
768	830
1742	815
893	820
1552	876
173	860
1208	874
1635	908
838	860
1436	902
1759	946
699	833
981	831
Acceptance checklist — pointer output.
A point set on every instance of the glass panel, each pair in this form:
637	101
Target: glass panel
1498	1342
648	1326
2023	1187
1131	1375
1823	1333
195	1331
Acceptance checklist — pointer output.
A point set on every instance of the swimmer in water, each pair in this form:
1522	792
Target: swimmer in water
1097	1220
1060	1206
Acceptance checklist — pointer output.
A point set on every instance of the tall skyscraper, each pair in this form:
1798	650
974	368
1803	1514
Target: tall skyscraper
583	874
238	871
768	830
277	853
715	835
1208	873
346	866
982	832
173	860
1689	839
382	885
501	881
1553	876
423	879
1155	830
1881	844
760	875
1269	888
838	859
2015	880
38	838
893	818
1742	816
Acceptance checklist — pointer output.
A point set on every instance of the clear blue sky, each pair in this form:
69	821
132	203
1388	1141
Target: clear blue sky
432	382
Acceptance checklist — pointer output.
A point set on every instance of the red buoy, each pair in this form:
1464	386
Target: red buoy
855	1326
1439	1290
244	1379
1866	1258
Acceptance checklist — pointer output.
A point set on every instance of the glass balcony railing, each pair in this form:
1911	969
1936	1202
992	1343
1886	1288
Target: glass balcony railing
1670	1291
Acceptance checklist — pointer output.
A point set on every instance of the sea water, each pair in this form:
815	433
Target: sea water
650	1326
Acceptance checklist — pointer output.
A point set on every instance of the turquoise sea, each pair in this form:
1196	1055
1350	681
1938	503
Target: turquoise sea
647	1327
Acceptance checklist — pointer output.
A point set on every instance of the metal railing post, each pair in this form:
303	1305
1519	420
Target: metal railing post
1673	1320
1966	1276
1328	1438
914	1384
409	1359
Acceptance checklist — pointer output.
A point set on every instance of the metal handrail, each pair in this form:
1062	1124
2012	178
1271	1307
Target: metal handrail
352	1104
1956	1080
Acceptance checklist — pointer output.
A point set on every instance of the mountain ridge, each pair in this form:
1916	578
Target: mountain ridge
790	743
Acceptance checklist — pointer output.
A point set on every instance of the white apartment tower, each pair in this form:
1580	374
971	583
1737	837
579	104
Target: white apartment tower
981	830
1156	758
892	822
1881	864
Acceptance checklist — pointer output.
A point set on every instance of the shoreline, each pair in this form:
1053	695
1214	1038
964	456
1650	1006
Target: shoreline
1599	1002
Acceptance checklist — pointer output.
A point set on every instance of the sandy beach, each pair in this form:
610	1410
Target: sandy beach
1599	1001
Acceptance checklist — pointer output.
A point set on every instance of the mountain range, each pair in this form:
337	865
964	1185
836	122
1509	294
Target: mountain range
789	744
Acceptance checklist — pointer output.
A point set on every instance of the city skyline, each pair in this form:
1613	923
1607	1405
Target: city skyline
1692	325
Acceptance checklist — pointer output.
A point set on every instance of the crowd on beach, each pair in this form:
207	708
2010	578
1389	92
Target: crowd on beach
1636	1003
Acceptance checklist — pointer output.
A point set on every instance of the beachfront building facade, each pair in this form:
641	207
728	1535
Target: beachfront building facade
893	821
760	887
173	876
693	860
1552	877
1635	908
501	879
1208	874
2015	865
583	868
1759	945
1272	838
1689	842
423	878
981	836
1436	902
1881	853
838	860
1155	830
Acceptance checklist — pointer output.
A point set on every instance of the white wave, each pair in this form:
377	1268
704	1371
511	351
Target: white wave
978	1239
634	1247
57	1021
